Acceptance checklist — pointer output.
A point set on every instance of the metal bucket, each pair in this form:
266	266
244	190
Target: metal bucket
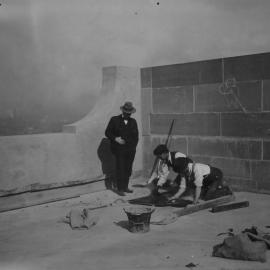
139	218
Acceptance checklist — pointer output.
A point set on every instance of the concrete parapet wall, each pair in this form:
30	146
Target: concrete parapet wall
46	158
222	113
81	151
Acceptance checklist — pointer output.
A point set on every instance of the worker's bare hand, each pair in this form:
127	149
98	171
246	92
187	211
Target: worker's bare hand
197	202
192	204
120	140
172	198
148	181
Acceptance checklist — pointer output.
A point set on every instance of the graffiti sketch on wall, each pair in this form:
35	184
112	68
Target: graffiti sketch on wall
230	91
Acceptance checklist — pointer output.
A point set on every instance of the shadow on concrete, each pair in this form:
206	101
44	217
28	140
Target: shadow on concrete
107	160
140	185
123	223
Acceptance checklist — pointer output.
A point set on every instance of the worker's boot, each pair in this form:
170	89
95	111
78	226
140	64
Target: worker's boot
154	192
216	190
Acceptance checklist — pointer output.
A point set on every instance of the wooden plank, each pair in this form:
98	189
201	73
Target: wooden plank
227	207
204	205
42	197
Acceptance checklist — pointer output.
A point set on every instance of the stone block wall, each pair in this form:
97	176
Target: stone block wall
221	109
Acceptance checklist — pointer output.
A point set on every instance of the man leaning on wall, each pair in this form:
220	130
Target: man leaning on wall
122	131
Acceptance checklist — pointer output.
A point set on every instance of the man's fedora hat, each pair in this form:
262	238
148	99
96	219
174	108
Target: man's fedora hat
128	107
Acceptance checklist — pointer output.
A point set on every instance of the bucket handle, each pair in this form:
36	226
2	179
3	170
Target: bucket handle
152	210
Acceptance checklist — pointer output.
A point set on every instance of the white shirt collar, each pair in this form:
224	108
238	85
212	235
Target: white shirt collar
170	157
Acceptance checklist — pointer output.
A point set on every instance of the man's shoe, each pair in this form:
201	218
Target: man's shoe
128	190
119	192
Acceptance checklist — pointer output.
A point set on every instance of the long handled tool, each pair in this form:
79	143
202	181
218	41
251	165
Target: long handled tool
166	143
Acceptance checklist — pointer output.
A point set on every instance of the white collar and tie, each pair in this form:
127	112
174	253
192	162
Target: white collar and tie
125	120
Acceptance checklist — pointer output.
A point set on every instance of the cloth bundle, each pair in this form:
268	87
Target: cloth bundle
81	219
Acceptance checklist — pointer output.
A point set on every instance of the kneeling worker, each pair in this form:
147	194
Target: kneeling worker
207	180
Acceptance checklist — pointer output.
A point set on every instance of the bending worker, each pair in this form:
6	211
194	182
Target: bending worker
166	161
204	178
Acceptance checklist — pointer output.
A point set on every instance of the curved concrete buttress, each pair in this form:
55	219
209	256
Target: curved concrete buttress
119	84
77	153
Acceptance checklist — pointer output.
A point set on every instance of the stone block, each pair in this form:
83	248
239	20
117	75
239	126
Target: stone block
249	95
186	124
244	68
261	172
266	95
238	184
209	99
201	159
264	187
245	124
209	71
149	144
266	150
225	147
178	144
175	75
147	158
146	77
173	100
215	98
231	167
266	66
146	107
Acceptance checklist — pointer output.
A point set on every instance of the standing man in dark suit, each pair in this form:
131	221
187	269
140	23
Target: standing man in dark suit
122	131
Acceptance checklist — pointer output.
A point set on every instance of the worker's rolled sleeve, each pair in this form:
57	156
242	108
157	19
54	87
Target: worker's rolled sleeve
183	184
163	174
200	171
162	180
152	178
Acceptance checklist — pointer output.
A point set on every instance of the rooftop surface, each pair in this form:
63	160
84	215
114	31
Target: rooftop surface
37	238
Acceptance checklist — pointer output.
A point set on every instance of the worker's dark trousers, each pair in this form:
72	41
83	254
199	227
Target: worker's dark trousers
212	182
215	176
124	161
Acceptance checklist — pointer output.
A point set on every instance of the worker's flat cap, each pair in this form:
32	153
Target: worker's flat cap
181	163
160	149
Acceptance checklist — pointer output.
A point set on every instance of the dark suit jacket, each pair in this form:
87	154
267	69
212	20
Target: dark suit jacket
129	132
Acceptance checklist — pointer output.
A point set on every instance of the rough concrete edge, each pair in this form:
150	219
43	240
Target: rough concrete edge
50	200
42	187
39	187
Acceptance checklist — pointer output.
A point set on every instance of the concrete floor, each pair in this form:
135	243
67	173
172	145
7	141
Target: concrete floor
36	238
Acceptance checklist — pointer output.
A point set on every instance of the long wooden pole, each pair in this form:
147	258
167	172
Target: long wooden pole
166	143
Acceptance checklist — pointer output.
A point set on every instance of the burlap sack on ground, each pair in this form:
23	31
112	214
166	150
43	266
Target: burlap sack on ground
241	247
